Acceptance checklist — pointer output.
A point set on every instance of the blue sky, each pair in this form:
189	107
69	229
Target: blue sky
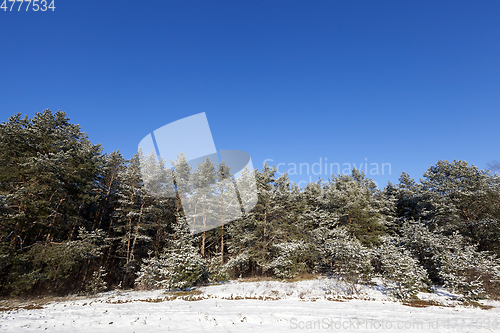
288	81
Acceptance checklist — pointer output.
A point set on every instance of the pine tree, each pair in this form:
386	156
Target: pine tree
107	188
343	257
272	221
450	260
227	204
407	201
464	199
48	168
467	271
203	199
178	267
424	245
358	205
402	275
131	223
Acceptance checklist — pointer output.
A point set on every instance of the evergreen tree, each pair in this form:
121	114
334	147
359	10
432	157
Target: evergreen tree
287	259
254	238
342	256
48	169
407	201
129	231
402	275
358	205
464	199
178	267
203	201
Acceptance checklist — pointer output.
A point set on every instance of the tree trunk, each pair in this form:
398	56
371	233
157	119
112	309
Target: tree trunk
203	237
137	230
222	245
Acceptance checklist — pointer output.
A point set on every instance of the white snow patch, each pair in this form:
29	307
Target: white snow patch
239	307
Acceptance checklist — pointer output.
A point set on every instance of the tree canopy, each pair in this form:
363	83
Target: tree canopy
73	219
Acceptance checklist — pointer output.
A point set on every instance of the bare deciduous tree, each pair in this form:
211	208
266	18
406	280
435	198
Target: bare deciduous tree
494	166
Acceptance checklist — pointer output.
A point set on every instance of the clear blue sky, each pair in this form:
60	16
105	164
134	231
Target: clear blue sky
387	81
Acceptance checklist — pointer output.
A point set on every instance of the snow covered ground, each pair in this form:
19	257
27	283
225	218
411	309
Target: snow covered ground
265	306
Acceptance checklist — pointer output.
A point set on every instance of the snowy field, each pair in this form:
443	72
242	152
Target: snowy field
265	306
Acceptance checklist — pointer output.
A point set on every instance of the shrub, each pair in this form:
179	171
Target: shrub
343	256
175	269
402	275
